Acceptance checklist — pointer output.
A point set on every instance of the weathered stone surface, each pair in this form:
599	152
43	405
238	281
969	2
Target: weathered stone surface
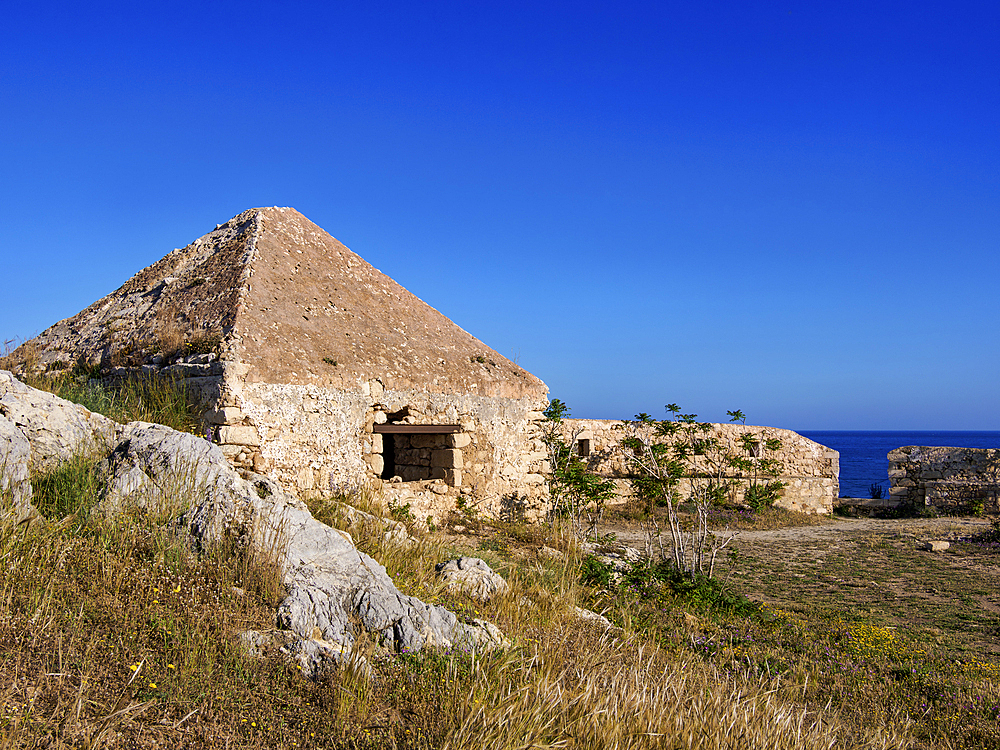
226	415
473	576
458	440
482	635
810	471
955	479
394	531
448	458
314	656
54	428
590	616
239	435
15	454
331	585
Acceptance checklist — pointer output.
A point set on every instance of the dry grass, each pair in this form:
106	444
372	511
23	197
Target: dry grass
606	692
571	683
113	633
112	626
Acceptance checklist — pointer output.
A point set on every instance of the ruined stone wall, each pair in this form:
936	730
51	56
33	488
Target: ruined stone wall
810	471
953	479
323	440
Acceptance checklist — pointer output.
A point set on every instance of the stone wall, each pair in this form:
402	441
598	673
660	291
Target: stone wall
953	479
810	471
323	440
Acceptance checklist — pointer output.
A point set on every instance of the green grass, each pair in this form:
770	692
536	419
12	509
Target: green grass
147	399
887	633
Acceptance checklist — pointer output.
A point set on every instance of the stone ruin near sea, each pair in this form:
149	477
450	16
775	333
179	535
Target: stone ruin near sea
312	367
322	373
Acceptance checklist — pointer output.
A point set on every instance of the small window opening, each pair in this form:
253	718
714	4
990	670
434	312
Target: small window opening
583	447
416	452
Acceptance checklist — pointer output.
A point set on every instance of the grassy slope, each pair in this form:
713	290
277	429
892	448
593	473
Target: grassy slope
114	634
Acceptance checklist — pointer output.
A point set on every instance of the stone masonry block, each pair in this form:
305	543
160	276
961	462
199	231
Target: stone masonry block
305	478
225	415
239	435
411	473
425	441
378	463
458	440
376	443
448	458
453	477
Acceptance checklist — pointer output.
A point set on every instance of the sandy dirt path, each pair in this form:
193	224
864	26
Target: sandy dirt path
832	534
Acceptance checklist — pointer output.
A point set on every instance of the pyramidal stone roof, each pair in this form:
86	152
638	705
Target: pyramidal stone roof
273	291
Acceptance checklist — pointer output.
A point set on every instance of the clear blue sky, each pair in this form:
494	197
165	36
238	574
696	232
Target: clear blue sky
788	208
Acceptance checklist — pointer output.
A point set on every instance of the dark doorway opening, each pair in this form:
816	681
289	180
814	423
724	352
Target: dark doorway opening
388	457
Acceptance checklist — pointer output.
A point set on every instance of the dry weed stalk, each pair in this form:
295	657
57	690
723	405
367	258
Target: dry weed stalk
638	701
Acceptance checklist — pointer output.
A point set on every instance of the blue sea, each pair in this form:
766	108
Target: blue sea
863	454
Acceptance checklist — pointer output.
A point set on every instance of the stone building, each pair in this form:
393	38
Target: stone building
316	369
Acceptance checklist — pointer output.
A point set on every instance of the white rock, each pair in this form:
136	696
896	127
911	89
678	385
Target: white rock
586	614
331	585
935	546
55	429
15	454
473	576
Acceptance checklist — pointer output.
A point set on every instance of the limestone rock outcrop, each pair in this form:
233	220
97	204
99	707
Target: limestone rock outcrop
335	592
473	576
15	455
55	428
331	585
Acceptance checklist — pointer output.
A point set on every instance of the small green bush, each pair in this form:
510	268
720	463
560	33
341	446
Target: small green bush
697	591
760	496
595	572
